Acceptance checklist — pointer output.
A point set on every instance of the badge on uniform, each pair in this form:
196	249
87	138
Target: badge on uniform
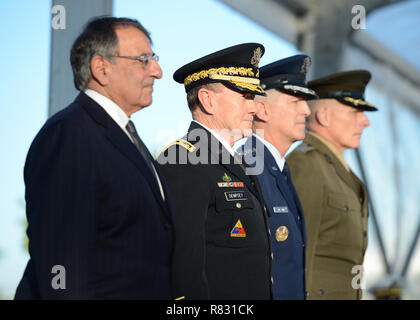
238	230
282	233
227	182
230	184
235	195
281	209
226	178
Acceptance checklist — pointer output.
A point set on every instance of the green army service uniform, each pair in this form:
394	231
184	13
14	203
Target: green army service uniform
334	202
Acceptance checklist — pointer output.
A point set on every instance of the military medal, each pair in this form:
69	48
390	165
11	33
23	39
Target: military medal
282	233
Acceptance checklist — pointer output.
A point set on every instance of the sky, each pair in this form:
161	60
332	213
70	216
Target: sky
181	31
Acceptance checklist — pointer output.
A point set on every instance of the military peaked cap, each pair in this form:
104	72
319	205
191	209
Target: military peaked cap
288	75
236	67
347	87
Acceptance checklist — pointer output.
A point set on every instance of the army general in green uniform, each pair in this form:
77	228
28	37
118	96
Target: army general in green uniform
334	200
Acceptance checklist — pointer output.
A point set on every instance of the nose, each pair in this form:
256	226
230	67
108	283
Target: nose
305	109
155	70
364	120
253	107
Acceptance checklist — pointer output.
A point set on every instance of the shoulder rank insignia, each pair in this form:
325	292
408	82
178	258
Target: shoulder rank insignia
238	231
183	143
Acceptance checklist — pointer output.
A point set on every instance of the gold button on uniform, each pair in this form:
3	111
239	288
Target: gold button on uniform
238	205
282	233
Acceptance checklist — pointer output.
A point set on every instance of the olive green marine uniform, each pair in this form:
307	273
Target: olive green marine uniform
334	202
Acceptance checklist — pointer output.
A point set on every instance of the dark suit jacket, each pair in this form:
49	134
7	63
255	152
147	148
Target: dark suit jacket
212	258
94	208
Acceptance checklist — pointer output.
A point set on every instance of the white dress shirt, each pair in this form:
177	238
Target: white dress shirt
219	137
274	152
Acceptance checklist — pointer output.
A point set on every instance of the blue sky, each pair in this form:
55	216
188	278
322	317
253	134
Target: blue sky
181	32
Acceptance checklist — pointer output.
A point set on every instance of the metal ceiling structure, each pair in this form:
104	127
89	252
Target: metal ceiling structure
323	30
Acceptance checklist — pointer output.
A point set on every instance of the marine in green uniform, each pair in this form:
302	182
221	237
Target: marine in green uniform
333	198
222	244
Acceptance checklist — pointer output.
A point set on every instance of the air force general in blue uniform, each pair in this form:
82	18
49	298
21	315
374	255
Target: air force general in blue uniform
286	220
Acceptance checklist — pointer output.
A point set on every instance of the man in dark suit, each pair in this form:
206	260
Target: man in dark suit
100	216
279	122
222	248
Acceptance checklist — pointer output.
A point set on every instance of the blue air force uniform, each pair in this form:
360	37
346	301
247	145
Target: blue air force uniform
286	220
286	224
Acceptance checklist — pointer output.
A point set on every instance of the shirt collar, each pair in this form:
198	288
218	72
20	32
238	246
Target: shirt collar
274	152
111	108
219	137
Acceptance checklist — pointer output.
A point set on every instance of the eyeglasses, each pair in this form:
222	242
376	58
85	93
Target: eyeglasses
145	59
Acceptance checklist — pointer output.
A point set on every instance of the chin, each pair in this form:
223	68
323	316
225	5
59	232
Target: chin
300	136
146	102
354	145
247	133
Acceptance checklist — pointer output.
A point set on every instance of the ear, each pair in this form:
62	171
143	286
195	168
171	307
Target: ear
100	69
206	98
264	111
322	116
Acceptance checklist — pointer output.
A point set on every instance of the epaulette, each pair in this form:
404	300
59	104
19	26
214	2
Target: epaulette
183	143
304	147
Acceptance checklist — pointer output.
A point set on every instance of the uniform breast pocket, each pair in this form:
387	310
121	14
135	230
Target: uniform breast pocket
232	223
233	200
348	228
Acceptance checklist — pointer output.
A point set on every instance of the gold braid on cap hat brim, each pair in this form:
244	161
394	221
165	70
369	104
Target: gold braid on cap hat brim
227	71
358	101
249	86
232	74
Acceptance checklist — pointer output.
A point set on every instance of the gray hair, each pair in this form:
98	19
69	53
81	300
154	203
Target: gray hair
192	95
97	39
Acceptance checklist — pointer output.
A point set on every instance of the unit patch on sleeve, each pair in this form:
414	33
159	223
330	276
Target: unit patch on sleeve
238	230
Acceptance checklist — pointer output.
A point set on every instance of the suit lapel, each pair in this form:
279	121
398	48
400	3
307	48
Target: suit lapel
121	142
169	201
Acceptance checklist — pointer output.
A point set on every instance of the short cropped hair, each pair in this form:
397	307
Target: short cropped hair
98	38
192	95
